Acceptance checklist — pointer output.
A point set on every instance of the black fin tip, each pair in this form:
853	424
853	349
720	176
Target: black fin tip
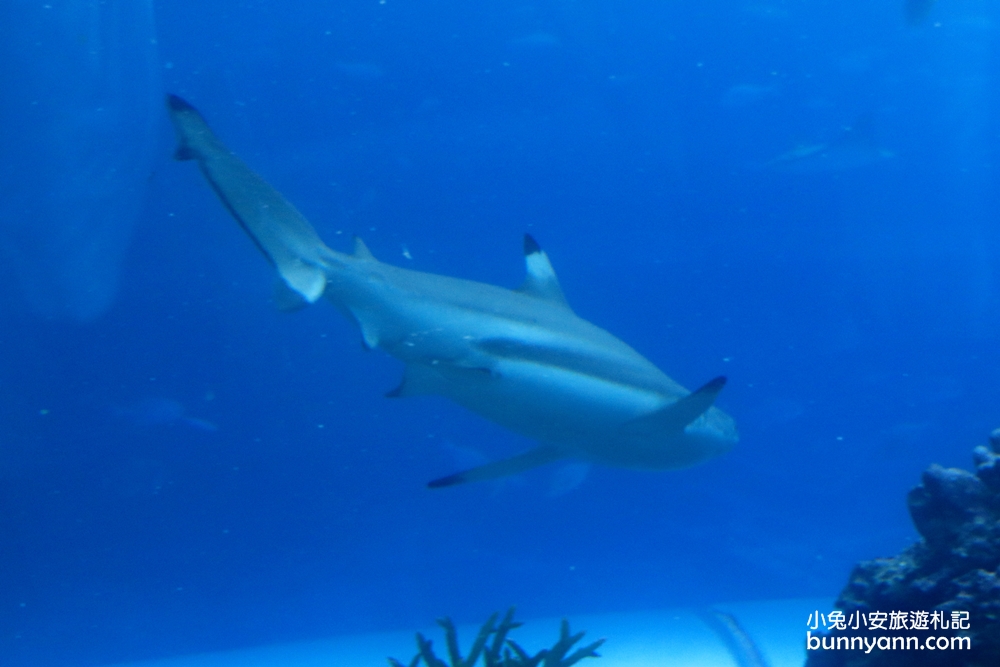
530	245
184	153
177	103
714	385
450	480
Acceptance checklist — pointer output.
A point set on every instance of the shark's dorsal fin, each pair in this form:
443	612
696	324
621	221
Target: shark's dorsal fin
676	416
361	251
540	281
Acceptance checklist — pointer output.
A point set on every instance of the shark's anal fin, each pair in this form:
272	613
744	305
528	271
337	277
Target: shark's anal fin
540	280
676	416
530	459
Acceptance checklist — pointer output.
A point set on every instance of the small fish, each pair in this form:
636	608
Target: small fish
360	71
157	411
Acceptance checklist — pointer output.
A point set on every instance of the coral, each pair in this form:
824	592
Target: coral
955	567
501	651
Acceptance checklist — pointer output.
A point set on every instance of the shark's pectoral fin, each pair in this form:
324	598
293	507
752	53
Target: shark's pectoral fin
676	416
526	461
540	280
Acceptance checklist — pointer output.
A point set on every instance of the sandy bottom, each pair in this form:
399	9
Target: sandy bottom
665	638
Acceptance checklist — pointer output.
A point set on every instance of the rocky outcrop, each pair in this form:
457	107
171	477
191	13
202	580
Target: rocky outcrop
953	568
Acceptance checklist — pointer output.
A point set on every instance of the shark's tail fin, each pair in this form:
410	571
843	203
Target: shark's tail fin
191	128
284	236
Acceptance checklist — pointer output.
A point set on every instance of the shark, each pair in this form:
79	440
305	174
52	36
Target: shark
853	148
518	357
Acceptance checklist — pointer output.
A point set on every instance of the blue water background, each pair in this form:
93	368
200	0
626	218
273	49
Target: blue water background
196	471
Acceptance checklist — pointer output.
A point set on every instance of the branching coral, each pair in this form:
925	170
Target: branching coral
501	651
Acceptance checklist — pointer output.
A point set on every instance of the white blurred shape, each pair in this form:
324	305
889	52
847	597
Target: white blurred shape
81	103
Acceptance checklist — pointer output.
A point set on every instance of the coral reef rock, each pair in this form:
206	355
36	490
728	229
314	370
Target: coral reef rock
501	651
953	569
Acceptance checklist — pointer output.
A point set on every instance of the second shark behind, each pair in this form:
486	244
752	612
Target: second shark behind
853	148
520	358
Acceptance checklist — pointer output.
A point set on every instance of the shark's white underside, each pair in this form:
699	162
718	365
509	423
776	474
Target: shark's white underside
520	358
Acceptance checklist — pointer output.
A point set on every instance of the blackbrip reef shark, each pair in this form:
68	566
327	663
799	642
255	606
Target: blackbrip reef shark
521	358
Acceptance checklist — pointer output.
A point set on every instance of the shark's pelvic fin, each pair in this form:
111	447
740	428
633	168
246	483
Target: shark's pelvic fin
287	299
284	236
418	380
540	281
530	459
676	416
369	336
